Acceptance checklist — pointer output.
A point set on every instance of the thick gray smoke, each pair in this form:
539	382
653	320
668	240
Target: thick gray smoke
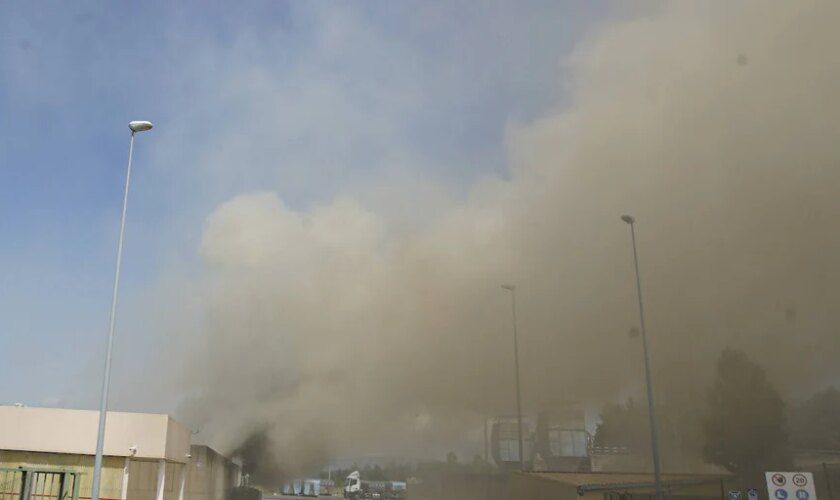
348	330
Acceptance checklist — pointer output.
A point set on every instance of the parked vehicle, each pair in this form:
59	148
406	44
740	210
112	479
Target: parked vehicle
357	489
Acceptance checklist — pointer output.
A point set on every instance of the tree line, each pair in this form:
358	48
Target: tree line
741	424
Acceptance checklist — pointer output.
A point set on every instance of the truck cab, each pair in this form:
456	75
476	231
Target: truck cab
353	486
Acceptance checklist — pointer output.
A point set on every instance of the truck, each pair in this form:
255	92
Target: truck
357	489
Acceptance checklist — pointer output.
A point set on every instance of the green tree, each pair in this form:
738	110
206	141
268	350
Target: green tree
745	429
815	423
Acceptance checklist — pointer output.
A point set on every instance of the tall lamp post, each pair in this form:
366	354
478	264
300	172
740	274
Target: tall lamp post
135	126
654	441
512	290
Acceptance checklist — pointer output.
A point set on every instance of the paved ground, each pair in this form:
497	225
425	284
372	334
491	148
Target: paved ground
288	497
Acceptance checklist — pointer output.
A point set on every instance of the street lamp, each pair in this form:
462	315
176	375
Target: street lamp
134	126
512	290
651	416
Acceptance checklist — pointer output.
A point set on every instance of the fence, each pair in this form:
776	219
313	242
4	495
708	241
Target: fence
648	496
709	488
38	484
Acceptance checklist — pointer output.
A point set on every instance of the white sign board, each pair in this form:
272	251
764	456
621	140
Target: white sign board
790	486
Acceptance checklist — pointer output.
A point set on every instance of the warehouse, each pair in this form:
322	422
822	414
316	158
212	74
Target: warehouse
48	451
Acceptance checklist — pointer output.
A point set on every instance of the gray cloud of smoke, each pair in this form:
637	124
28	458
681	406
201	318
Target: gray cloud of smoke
350	328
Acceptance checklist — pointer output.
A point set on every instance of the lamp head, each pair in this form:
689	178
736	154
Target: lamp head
139	126
628	219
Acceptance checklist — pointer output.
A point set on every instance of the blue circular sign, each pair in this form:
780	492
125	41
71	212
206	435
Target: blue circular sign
802	495
780	494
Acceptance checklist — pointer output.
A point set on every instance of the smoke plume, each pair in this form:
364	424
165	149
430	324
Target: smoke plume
352	329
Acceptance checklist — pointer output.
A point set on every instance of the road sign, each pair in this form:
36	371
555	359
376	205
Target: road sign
790	486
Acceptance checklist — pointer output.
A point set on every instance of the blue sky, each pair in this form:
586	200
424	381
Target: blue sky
308	99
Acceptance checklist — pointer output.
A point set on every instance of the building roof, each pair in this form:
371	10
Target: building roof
594	481
59	430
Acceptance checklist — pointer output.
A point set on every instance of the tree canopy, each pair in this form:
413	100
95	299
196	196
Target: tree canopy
745	428
815	424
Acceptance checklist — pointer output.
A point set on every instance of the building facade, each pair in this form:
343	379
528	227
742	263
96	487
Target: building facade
146	456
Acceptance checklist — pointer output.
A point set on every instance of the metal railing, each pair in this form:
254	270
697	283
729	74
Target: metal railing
27	483
652	496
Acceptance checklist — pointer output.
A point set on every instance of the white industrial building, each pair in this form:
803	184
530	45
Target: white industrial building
50	451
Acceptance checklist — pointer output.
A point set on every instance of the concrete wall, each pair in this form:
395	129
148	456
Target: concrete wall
142	480
177	441
57	430
210	475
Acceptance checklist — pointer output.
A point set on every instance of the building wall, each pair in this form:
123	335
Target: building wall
58	430
177	441
142	480
210	475
112	469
